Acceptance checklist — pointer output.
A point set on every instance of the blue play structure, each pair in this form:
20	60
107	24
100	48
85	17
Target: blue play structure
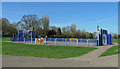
20	36
103	37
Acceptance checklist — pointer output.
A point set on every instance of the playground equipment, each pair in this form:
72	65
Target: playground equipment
32	37
20	36
103	37
39	41
73	39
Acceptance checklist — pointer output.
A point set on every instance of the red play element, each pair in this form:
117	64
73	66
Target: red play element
41	39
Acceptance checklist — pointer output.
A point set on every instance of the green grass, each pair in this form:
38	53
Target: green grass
114	40
111	51
6	39
45	51
0	47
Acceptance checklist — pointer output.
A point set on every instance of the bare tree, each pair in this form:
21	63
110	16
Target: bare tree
54	28
83	33
64	30
73	29
115	36
78	33
45	22
28	22
58	31
5	26
94	35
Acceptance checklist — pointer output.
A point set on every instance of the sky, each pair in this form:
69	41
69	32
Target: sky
86	15
60	0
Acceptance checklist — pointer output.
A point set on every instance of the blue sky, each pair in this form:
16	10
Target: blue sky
86	15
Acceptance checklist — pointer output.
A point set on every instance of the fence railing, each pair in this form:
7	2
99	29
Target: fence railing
60	41
72	42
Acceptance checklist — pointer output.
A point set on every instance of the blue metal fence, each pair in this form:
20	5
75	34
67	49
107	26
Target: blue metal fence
74	42
61	41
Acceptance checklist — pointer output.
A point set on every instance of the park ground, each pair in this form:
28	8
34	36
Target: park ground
27	55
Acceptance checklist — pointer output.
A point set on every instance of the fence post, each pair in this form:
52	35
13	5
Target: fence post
50	39
77	43
81	41
17	39
24	39
55	42
45	40
31	36
65	41
31	40
97	42
87	42
62	39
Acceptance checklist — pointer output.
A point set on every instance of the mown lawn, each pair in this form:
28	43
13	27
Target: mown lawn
111	51
114	40
0	47
45	51
6	39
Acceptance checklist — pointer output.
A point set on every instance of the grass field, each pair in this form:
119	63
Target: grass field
114	40
111	51
6	39
45	51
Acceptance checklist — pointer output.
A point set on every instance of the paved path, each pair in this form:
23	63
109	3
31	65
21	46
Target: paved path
92	55
21	61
